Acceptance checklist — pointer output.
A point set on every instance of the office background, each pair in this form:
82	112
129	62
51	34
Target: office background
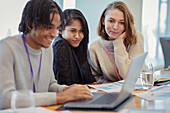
151	19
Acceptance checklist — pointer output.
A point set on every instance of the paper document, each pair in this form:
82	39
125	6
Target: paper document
113	86
161	79
161	75
108	87
144	111
156	93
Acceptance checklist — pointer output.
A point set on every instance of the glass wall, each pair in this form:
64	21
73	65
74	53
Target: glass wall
155	24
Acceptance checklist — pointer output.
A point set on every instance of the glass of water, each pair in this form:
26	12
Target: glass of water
22	101
147	78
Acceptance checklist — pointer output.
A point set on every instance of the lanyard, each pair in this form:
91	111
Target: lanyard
34	89
112	63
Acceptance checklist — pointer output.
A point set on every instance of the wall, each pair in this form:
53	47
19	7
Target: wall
60	3
135	7
10	11
92	10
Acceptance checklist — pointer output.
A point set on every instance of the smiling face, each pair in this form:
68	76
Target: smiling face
114	23
73	33
42	36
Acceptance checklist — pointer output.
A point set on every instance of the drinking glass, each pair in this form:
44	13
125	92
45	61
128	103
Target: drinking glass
22	101
147	78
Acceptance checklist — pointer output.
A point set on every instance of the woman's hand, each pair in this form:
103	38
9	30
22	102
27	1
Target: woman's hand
122	36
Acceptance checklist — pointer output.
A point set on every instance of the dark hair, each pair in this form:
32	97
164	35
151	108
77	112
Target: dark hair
129	23
36	13
69	16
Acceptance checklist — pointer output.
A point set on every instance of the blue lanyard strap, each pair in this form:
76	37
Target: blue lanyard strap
34	89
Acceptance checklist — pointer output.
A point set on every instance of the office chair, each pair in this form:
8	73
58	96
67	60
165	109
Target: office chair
165	43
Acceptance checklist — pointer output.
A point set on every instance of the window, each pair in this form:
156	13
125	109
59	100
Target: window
68	4
65	4
155	25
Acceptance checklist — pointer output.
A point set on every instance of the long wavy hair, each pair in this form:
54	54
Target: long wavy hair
69	16
131	36
37	12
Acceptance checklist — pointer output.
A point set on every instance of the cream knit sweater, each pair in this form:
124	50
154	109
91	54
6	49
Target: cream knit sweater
101	65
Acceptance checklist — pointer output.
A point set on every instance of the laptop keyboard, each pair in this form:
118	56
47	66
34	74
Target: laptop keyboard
107	98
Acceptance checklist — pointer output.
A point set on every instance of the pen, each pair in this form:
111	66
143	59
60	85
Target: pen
158	83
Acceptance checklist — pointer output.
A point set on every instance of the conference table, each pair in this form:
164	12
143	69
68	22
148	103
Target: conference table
134	102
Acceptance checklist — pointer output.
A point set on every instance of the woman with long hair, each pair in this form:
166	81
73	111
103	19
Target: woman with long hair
70	64
118	43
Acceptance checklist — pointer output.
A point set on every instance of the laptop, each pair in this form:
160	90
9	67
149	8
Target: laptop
112	100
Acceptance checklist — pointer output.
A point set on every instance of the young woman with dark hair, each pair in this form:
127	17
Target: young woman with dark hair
70	50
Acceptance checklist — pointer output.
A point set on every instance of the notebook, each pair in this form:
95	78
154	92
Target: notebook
112	100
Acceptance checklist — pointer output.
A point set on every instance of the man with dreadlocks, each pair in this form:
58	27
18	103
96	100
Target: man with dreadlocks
26	59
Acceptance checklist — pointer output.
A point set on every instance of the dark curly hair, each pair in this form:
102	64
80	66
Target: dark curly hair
37	12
